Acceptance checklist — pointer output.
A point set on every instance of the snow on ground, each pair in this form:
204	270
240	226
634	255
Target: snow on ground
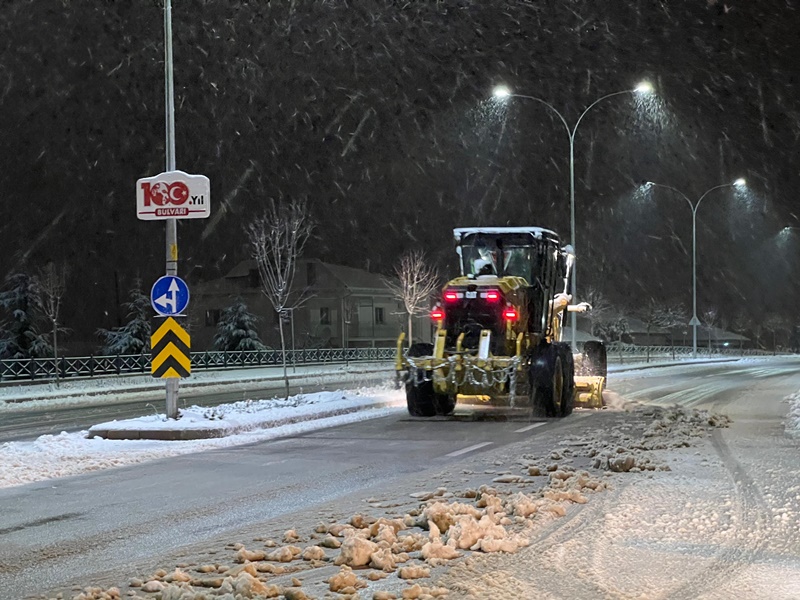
437	542
793	418
53	456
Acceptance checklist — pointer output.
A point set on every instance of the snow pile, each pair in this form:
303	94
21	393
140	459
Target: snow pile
250	414
793	418
622	449
445	527
66	454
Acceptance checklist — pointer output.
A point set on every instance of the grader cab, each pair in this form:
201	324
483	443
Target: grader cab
499	331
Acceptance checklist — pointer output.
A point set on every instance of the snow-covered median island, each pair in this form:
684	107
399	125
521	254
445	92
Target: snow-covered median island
52	456
226	419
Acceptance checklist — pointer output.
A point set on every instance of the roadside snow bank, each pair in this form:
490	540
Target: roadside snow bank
54	456
244	415
793	418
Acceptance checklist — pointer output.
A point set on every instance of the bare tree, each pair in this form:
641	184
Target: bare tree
52	280
416	282
710	320
613	328
741	324
651	315
349	307
278	238
670	316
775	323
600	308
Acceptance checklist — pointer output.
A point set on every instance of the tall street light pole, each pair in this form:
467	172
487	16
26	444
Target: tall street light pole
503	93
171	224
694	206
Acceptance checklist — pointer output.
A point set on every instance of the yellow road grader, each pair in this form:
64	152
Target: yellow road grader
499	327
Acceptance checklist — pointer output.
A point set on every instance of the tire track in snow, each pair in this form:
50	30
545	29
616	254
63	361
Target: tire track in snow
750	512
556	536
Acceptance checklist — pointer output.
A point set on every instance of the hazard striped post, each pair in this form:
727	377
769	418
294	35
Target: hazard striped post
171	351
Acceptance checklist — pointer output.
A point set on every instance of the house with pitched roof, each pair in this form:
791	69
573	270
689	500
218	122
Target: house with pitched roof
342	307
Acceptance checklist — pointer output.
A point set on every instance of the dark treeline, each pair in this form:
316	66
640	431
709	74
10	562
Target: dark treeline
379	113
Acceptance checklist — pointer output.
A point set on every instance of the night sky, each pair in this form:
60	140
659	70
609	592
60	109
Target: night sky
380	114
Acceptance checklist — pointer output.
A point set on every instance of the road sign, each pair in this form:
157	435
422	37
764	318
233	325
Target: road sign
170	346
694	321
173	195
169	296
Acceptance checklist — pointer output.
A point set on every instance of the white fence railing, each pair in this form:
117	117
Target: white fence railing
622	353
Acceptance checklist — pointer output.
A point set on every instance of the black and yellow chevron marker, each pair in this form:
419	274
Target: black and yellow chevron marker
170	351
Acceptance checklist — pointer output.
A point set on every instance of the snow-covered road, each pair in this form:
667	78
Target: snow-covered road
720	523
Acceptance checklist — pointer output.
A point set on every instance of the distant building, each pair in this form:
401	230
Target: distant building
345	308
639	334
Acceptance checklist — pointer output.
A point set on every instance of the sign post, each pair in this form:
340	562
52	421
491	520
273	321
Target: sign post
169	196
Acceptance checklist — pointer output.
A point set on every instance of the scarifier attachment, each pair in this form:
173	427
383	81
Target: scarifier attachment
589	391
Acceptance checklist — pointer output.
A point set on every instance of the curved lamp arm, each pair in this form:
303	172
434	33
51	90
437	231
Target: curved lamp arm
593	104
548	105
677	191
708	191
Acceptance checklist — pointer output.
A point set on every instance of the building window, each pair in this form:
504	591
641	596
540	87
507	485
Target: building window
379	315
212	317
324	316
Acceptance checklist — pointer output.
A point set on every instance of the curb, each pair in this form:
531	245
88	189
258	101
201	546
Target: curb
173	435
677	363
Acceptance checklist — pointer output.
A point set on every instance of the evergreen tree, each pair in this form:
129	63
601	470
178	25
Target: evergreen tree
237	329
134	336
19	334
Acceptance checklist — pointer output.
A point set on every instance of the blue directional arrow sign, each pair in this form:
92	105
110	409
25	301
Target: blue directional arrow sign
169	296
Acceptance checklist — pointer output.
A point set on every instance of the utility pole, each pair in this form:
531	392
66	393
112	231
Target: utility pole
172	224
170	196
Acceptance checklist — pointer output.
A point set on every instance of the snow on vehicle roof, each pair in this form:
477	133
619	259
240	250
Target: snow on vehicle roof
538	232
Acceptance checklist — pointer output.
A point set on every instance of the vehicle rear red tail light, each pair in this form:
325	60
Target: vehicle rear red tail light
492	296
510	314
437	314
450	297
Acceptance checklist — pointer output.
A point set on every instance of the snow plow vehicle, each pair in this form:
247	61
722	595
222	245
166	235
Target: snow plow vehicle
499	327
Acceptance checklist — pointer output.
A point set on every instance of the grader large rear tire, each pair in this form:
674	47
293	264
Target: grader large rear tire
420	398
444	404
568	366
419	387
547	381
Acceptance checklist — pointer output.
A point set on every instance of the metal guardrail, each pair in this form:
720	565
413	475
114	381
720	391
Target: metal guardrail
632	353
21	369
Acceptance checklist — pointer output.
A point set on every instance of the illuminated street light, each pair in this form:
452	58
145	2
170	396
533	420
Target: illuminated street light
694	206
502	93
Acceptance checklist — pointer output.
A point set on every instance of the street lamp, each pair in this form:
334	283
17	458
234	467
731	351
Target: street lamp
694	206
503	93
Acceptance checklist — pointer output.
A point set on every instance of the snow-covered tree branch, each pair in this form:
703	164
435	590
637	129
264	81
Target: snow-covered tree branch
278	238
134	336
416	281
19	333
236	329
